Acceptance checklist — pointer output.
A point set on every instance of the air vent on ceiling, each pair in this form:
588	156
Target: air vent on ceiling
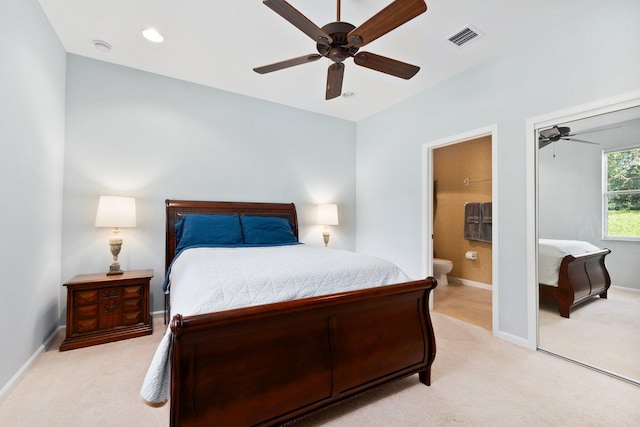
465	35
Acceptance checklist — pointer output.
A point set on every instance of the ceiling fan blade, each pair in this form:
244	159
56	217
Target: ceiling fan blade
392	16
594	130
334	80
300	21
386	65
288	63
580	140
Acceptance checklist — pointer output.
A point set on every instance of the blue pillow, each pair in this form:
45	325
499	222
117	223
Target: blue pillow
267	230
208	230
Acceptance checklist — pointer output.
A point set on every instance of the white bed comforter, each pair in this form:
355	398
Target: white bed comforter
550	254
204	280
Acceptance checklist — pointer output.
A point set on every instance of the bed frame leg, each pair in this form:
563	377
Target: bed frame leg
425	376
603	295
564	311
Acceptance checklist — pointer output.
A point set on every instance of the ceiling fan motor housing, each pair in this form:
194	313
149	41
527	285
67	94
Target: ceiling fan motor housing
337	51
563	132
341	40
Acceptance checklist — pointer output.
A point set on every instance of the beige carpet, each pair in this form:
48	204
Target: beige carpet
92	386
604	333
477	380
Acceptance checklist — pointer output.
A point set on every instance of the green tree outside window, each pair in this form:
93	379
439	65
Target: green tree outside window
622	195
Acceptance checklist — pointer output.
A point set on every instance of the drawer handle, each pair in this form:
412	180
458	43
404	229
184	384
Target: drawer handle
110	293
111	308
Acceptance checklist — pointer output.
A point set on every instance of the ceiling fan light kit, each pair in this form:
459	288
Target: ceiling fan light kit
341	40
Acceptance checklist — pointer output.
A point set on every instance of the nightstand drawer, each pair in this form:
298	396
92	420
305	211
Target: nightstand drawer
130	305
84	311
102	308
86	325
86	297
132	292
131	318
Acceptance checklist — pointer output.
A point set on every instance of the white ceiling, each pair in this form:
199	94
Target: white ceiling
218	43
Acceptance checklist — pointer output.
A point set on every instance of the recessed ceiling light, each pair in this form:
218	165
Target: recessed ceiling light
152	35
348	95
102	46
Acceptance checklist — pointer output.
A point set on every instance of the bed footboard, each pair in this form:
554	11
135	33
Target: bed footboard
270	364
581	277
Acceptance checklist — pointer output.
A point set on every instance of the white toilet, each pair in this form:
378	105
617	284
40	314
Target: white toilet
440	269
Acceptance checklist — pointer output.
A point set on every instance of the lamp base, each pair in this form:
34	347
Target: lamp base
114	270
115	244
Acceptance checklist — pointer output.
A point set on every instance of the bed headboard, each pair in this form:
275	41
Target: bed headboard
178	208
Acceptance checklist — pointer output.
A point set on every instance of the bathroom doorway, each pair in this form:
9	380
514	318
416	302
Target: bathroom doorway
459	175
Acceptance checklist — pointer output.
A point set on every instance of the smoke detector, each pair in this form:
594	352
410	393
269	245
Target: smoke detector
102	45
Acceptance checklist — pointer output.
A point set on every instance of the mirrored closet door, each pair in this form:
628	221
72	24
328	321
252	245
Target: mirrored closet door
588	173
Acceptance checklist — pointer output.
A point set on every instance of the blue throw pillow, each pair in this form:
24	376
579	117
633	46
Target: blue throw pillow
208	230
267	230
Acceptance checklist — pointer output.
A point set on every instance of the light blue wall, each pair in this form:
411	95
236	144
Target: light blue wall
31	167
151	137
592	57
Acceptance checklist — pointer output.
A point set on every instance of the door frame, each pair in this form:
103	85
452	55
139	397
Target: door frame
427	208
603	106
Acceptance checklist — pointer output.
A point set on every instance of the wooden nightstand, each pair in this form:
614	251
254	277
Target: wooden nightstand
103	308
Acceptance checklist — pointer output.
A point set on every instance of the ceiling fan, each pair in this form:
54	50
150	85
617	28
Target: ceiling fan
341	40
556	133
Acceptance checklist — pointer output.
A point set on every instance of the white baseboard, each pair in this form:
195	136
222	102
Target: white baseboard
469	283
622	288
6	389
159	315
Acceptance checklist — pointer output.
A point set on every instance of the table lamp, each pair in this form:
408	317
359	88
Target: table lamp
116	212
327	215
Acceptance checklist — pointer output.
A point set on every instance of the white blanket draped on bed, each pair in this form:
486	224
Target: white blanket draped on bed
550	255
205	280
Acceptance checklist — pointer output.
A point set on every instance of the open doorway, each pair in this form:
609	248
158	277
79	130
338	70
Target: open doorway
460	213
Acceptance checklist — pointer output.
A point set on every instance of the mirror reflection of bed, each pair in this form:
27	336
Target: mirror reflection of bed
571	272
589	306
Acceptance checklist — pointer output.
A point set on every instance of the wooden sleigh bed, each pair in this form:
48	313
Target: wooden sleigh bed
274	363
580	278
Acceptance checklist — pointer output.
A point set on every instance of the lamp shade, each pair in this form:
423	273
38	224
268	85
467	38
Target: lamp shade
115	211
328	214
